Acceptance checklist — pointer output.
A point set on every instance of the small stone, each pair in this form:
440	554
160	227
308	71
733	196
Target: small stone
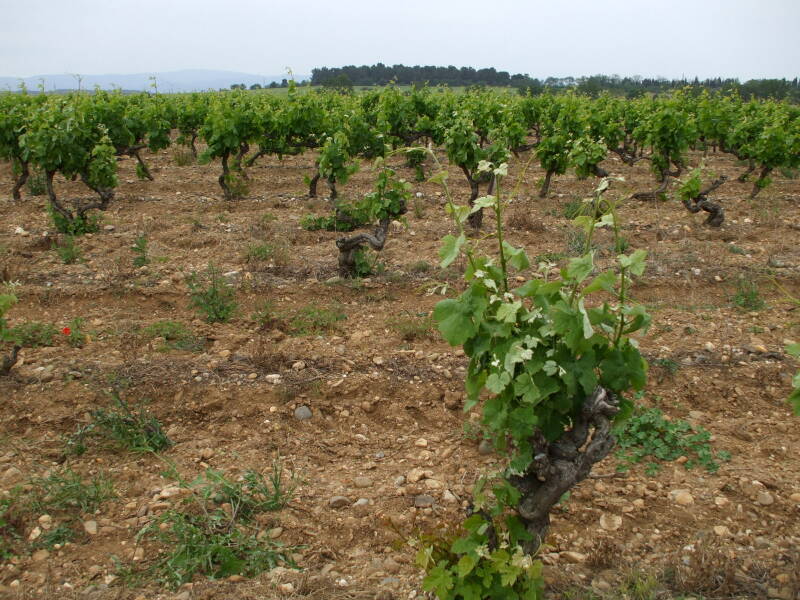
795	497
206	453
35	533
421	443
485	447
721	501
224	353
414	475
286	588
400	480
377	360
275	533
361	503
138	554
424	501
186	595
764	499
298	365
40	555
90	527
273	378
390	565
610	522
362	482
252	376
682	497
46	521
339	502
433	484
639	503
11	475
573	557
722	531
448	496
109	228
302	413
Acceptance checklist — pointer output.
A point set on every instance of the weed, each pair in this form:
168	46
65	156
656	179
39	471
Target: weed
213	534
67	491
621	245
176	336
212	295
649	434
182	156
314	320
747	296
140	250
734	249
421	266
37	183
573	209
33	334
132	428
576	242
265	315
668	365
412	327
76	226
549	257
366	263
75	334
237	185
57	536
275	253
68	252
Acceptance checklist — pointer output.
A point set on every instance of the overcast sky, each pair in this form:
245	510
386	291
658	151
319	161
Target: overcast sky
671	38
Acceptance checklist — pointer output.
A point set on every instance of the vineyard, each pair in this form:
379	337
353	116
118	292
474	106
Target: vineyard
398	343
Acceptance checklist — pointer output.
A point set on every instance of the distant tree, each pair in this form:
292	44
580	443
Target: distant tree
284	83
255	86
238	86
273	85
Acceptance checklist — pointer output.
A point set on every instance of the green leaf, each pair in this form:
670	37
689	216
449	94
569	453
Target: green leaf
507	312
465	565
634	262
497	382
793	349
483	202
450	249
579	268
454	319
605	281
516	257
439	580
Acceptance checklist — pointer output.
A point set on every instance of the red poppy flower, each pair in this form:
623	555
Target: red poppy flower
66	331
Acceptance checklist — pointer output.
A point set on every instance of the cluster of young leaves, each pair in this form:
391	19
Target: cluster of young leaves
538	349
794	397
465	566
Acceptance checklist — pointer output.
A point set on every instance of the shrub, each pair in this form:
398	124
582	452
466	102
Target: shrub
212	296
412	327
139	248
265	252
34	334
74	332
747	296
77	226
37	183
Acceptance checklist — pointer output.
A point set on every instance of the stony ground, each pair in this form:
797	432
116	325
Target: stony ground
367	413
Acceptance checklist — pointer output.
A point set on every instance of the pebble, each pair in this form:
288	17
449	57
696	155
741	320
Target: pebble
485	447
795	497
362	482
46	521
681	497
610	522
286	588
339	502
299	365
721	501
414	475
274	378
40	555
722	531
448	496
90	527
572	557
400	480
35	533
424	501
302	413
421	443
764	499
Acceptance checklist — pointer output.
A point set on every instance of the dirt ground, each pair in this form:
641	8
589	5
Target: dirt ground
386	425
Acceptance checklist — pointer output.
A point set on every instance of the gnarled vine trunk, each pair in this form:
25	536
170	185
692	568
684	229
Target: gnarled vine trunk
23	177
559	466
349	246
716	214
10	360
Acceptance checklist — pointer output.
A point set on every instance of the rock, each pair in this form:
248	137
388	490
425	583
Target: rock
452	400
46	521
252	376
109	228
795	497
286	588
298	365
390	565
183	596
362	482
764	499
610	522
377	360
681	497
638	503
414	475
400	480
424	501
12	475
207	453
40	555
421	443
339	502
485	447
275	533
572	557
721	501
273	378
302	413
138	554
448	496
35	533
90	527
433	484
722	531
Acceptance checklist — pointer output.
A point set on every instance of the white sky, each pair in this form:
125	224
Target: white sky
670	38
